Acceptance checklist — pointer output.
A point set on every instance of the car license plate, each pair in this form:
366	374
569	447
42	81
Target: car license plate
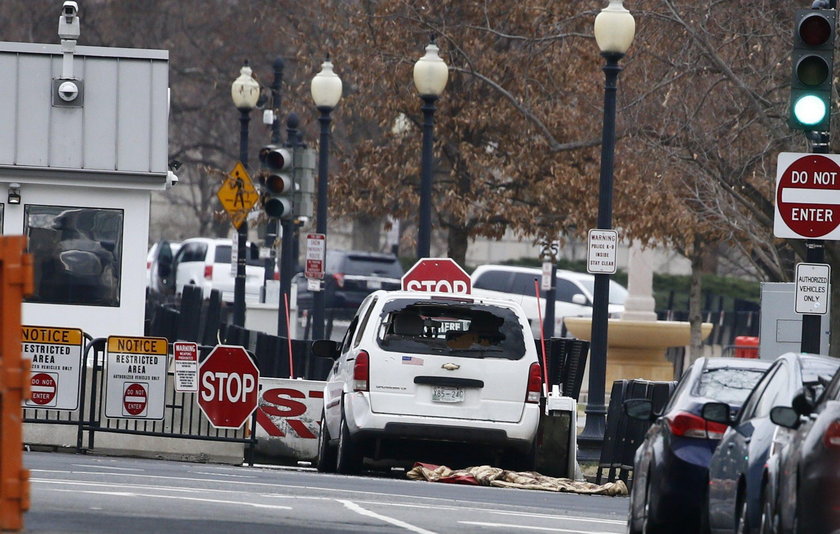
374	284
447	394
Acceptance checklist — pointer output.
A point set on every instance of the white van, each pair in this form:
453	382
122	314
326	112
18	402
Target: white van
205	262
575	292
419	371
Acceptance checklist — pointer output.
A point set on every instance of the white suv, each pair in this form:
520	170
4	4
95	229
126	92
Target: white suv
420	373
205	262
573	299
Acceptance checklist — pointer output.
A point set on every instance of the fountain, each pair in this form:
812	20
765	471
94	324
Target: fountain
636	343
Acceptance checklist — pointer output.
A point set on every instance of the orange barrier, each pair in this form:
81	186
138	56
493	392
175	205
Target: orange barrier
746	347
15	282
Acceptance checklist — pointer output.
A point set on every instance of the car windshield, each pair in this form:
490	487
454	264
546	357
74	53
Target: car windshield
617	293
368	265
731	385
461	328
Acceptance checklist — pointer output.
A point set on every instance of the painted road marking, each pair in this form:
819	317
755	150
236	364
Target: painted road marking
396	522
525	527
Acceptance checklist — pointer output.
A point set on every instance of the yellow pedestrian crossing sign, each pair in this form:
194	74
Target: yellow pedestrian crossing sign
237	194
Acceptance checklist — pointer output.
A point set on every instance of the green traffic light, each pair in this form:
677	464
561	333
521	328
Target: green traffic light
809	110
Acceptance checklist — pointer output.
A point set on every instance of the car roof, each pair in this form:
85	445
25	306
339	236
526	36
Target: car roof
571	275
423	295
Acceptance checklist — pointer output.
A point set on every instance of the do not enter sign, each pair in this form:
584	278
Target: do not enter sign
437	275
227	388
807	196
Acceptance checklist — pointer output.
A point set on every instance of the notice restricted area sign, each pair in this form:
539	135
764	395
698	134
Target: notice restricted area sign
135	377
56	356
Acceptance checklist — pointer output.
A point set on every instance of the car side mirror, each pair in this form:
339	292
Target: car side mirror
579	298
325	348
803	402
717	412
641	409
785	416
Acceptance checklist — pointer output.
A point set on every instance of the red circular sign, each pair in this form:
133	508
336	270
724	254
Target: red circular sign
43	388
437	275
134	399
228	386
801	192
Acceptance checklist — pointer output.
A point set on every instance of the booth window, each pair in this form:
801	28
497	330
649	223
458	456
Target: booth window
77	254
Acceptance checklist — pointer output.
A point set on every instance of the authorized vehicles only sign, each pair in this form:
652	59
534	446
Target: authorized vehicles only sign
135	374
56	356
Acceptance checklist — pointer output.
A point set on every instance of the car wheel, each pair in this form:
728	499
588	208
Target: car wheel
326	453
742	525
648	525
767	520
349	461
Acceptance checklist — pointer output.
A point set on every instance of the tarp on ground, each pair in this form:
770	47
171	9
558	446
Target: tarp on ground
485	475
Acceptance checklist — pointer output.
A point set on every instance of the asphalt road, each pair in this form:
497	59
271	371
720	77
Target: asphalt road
91	494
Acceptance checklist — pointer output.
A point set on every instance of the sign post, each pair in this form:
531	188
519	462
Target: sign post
437	275
227	390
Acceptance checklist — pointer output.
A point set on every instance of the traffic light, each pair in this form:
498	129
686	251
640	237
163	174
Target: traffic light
813	63
277	179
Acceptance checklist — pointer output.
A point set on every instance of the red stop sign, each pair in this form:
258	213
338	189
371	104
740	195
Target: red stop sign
437	275
228	386
806	206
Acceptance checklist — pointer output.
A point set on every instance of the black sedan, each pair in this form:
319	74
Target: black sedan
803	479
670	470
738	465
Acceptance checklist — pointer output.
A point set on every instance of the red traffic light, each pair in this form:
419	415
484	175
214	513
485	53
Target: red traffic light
815	29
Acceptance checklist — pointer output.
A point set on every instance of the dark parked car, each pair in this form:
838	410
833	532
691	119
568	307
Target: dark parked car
737	466
670	470
351	276
803	476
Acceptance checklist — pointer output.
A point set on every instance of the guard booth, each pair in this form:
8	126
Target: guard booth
84	142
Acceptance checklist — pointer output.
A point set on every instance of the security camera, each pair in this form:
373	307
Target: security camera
69	9
68	22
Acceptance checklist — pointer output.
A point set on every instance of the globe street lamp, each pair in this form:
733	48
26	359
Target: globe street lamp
430	75
614	31
326	92
245	92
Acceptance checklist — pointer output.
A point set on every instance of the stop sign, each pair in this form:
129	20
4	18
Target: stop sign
437	275
807	197
227	391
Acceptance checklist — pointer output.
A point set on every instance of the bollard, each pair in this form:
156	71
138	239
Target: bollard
15	282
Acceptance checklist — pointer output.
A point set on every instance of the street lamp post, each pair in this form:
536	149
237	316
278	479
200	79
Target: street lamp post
326	92
245	91
430	76
614	31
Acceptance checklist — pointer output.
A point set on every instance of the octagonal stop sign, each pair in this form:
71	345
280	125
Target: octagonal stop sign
228	386
437	275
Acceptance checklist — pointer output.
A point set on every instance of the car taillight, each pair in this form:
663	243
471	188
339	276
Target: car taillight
208	272
339	279
831	438
361	372
276	275
693	426
534	383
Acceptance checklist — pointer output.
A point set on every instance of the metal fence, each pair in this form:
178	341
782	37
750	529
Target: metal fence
183	418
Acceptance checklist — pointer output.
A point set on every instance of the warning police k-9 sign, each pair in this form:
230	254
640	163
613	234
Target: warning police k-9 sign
807	196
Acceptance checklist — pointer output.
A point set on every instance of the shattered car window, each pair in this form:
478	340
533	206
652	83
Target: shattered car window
726	384
457	327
